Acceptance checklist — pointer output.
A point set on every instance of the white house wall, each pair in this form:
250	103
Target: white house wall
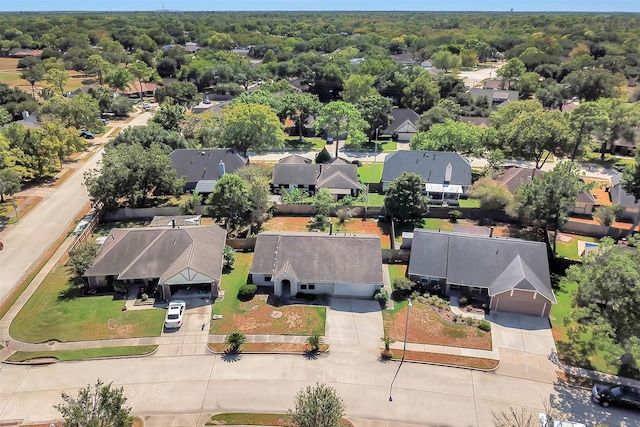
259	280
355	290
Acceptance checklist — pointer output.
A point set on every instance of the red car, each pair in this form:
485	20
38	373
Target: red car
1	246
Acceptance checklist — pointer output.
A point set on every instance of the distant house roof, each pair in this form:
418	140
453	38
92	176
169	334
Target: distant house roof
294	159
495	263
23	52
134	88
402	117
483	122
431	165
493	84
338	176
404	58
319	258
135	253
31	120
338	161
514	177
295	170
295	174
619	196
497	98
204	164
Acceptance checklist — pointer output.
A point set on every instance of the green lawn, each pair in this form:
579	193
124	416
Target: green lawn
315	144
370	172
83	354
56	311
437	224
469	203
570	248
375	199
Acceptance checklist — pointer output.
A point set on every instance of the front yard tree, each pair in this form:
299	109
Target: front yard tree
142	72
97	64
251	127
422	94
341	118
132	173
97	406
587	121
547	200
511	71
323	203
183	93
492	194
229	201
149	135
631	184
119	78
57	78
80	112
299	107
82	257
317	406
445	60
358	86
607	300
375	110
460	137
404	200
169	116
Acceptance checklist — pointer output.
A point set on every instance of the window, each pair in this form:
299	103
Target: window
303	286
312	287
267	278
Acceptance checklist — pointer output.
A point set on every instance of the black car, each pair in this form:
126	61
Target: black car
620	395
88	135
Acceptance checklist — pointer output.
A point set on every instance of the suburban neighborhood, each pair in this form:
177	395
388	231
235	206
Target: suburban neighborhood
236	223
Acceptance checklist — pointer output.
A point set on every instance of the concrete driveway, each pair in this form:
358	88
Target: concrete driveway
525	344
191	338
354	326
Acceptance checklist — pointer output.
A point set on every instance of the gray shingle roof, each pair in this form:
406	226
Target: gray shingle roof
431	165
513	178
497	98
294	159
400	116
620	197
137	253
202	164
498	264
320	258
295	172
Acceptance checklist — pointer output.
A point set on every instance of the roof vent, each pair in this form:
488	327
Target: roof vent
203	153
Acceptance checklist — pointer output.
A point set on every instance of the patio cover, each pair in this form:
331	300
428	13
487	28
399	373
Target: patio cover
443	188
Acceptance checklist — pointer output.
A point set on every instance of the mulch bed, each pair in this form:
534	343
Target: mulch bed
426	327
447	359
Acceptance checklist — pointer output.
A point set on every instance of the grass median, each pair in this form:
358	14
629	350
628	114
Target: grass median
83	354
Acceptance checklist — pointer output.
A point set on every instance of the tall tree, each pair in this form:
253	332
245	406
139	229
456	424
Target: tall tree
230	201
142	72
98	65
57	78
375	110
300	107
322	203
492	194
358	86
169	116
100	405
132	173
624	120
445	60
149	135
404	200
421	94
511	71
10	182
631	184
606	302
317	406
460	137
251	127
183	93
341	118
587	121
80	112
594	83
119	78
547	200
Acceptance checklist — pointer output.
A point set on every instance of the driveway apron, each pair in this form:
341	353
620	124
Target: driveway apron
192	337
354	327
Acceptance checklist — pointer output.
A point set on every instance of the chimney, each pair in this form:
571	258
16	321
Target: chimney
173	223
491	231
221	168
330	228
25	114
447	172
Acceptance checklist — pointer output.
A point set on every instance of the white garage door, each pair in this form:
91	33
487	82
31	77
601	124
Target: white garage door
350	290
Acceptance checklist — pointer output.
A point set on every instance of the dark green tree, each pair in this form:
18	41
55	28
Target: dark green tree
82	257
148	135
404	200
375	110
230	201
300	107
169	116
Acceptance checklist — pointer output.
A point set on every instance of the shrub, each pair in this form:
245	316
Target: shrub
484	325
469	320
454	214
402	284
247	292
229	256
357	163
323	156
382	295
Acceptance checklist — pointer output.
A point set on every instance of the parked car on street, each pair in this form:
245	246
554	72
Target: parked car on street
620	395
173	319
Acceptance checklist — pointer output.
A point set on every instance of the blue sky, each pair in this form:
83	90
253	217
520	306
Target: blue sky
251	5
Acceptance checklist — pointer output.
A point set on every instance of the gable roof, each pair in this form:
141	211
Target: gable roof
295	174
619	196
135	253
498	264
483	122
296	171
294	159
514	177
320	258
497	98
204	164
431	165
400	117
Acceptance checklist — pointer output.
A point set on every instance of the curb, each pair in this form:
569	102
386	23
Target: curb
50	360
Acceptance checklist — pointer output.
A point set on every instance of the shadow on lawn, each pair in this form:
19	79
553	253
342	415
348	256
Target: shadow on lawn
74	291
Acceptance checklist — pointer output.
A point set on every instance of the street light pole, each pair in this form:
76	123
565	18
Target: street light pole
404	350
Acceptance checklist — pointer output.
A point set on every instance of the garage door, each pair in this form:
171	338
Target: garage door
351	290
532	307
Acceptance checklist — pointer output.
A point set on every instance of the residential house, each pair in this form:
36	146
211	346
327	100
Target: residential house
510	275
629	208
24	52
626	146
202	168
514	177
404	124
134	88
446	175
483	122
404	58
180	262
496	98
341	266
494	84
298	172
307	128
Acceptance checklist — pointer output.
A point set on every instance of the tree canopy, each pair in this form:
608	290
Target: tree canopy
404	200
318	405
251	127
230	201
340	118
